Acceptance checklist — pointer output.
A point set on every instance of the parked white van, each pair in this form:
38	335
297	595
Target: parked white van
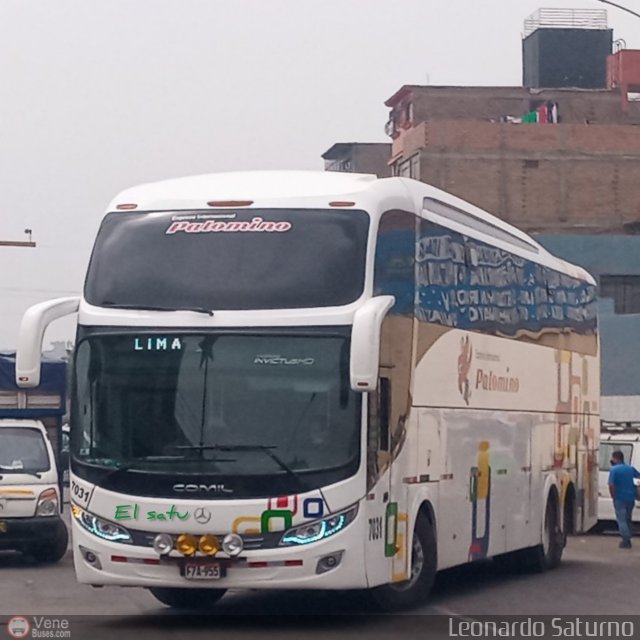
30	501
616	436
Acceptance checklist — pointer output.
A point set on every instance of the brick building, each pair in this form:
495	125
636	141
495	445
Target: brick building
581	173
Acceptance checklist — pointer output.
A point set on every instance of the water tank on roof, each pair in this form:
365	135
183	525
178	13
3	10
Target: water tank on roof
566	48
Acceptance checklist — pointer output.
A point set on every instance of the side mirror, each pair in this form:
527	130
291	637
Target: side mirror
34	323
365	342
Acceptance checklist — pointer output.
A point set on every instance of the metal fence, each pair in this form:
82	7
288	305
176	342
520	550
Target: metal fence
566	19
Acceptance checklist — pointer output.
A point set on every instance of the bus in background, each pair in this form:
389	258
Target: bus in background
321	381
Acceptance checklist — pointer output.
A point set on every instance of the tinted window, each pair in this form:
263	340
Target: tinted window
22	450
250	259
607	448
395	260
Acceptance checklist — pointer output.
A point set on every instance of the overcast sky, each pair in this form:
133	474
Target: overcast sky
99	95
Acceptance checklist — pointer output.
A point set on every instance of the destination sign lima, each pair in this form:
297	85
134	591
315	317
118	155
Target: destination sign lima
157	344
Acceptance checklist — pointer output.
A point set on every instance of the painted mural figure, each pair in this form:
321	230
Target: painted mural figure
464	365
480	493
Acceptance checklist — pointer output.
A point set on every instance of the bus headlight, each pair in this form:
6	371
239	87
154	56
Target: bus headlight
319	529
99	527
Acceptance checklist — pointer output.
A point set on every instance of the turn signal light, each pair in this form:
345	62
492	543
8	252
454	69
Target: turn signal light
209	544
187	544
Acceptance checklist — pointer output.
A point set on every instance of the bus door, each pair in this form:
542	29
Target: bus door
378	498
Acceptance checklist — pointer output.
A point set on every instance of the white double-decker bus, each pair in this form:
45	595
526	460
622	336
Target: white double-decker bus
321	381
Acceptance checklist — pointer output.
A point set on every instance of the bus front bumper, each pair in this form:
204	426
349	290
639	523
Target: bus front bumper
335	563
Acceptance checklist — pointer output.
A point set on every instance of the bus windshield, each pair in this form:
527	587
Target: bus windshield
229	260
253	412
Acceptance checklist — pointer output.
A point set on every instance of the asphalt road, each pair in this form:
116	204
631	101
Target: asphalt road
595	578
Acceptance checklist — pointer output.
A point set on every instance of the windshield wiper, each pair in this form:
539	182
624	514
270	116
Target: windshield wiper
16	470
266	449
133	462
147	307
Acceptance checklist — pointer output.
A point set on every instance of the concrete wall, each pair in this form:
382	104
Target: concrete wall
619	333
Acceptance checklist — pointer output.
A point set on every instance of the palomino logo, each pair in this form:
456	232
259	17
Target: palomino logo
485	379
281	360
489	381
255	225
201	488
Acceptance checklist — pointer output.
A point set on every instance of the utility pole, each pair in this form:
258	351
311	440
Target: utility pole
19	243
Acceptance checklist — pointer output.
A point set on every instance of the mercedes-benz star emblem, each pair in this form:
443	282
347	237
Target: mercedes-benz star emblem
202	515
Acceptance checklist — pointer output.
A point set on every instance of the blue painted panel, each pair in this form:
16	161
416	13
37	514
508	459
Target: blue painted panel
467	284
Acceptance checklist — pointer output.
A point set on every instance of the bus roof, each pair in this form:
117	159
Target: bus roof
246	185
277	188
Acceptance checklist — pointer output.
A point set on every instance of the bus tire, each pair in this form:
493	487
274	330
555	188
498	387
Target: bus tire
194	599
424	564
548	554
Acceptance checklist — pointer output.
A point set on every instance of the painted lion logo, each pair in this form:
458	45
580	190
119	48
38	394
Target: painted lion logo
464	366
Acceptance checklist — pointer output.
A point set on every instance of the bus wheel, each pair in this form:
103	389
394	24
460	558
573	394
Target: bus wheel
424	564
548	554
187	598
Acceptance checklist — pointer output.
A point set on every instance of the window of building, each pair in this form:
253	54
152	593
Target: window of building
624	290
410	168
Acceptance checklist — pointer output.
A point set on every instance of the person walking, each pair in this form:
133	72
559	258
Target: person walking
623	492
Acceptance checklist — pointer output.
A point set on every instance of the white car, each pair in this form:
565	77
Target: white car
30	501
615	438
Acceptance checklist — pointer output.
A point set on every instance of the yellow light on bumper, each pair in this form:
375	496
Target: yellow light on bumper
187	544
209	544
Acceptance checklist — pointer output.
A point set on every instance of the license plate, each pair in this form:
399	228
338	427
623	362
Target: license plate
199	571
3	527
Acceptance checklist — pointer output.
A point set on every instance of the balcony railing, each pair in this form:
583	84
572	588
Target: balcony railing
566	19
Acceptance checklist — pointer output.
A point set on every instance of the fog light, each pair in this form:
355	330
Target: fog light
90	557
327	563
209	544
186	544
162	544
232	544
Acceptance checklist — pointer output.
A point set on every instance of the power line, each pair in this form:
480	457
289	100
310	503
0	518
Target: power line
619	6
